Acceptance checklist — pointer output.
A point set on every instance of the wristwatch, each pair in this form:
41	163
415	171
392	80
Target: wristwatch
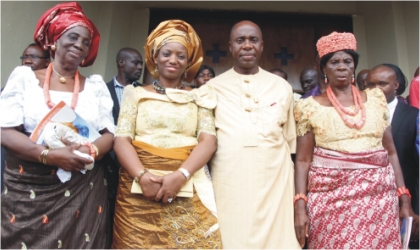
185	172
140	174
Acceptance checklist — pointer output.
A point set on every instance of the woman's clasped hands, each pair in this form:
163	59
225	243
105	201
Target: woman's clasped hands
65	158
162	188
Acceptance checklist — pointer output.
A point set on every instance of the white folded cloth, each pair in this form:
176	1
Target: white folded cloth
54	135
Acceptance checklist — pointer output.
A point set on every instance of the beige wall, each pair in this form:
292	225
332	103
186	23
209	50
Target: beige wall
17	30
359	30
331	7
389	35
411	21
126	26
392	34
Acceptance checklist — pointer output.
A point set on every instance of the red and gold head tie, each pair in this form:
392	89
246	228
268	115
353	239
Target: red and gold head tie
336	42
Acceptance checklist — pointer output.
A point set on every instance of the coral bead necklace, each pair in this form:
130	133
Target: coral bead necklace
344	112
46	88
356	104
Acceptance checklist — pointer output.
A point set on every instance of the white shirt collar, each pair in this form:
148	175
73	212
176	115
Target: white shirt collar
391	107
116	83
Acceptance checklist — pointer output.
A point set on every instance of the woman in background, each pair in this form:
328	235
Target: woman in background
204	74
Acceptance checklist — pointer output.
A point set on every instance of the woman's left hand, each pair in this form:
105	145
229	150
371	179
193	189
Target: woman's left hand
407	211
171	184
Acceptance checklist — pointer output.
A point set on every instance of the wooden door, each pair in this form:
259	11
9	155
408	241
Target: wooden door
289	39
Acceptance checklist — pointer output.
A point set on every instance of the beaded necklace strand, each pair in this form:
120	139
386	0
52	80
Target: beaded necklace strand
46	88
343	111
161	90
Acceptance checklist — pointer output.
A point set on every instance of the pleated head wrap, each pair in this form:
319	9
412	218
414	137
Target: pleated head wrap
176	31
59	19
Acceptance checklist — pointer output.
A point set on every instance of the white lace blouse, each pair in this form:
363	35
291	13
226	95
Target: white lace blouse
22	101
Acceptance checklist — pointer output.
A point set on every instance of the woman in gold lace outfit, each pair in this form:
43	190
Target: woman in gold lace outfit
346	161
167	126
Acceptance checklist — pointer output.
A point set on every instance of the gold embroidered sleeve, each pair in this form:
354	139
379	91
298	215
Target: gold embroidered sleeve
303	111
126	126
205	121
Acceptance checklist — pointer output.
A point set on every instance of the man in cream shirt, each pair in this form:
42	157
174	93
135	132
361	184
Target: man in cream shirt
252	170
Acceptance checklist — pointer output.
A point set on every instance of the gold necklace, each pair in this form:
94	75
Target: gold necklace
62	78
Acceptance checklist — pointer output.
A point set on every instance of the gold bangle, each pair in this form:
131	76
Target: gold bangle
43	156
140	174
96	149
40	156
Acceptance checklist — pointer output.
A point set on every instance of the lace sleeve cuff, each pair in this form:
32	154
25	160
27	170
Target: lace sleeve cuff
303	111
128	113
205	121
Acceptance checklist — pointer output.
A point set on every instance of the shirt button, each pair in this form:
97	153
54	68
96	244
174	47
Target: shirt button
246	80
247	94
248	109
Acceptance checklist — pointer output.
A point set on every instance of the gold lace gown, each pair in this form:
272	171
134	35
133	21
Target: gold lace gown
332	133
170	121
352	198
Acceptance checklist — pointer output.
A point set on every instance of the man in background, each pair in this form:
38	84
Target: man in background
361	79
308	79
322	82
35	57
130	67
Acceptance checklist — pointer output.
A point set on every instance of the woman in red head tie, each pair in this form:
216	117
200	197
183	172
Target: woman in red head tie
40	208
350	192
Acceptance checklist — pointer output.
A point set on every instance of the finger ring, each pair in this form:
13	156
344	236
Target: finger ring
170	200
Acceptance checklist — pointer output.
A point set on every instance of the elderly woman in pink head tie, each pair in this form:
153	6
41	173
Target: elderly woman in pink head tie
350	192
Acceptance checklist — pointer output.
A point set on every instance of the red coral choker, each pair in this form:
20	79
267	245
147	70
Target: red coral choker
46	88
343	111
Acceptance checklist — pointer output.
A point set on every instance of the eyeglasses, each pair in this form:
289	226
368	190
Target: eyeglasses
33	57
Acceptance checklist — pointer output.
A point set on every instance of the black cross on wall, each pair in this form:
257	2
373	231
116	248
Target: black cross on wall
215	53
283	55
